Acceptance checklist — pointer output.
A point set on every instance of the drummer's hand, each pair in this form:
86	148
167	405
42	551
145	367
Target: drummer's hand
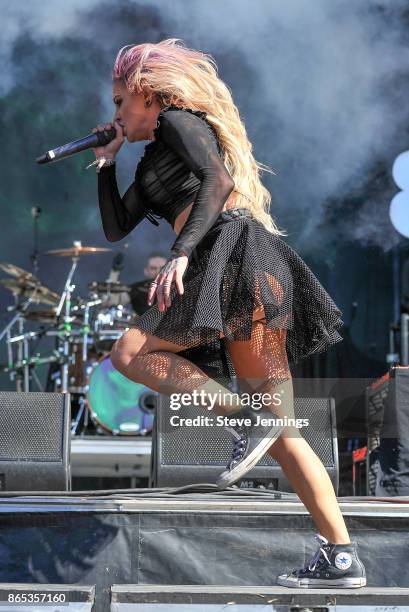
112	148
173	270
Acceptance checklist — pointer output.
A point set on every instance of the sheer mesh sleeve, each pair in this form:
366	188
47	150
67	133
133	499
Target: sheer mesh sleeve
119	215
192	139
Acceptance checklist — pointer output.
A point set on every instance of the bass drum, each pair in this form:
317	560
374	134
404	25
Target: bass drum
117	404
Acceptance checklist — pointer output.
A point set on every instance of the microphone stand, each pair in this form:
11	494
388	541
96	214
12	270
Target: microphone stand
35	213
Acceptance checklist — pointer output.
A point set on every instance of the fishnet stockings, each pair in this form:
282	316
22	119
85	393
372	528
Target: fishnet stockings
261	365
168	373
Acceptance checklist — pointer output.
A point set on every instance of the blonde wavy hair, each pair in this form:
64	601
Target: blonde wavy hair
189	79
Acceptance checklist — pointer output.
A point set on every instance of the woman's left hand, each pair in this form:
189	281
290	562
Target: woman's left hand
173	270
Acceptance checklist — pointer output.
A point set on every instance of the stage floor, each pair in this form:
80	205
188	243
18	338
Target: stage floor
235	539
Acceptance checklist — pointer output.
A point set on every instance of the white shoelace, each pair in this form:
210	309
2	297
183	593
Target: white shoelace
316	557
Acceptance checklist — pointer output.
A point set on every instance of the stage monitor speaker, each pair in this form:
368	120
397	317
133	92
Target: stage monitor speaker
375	400
186	455
388	434
35	441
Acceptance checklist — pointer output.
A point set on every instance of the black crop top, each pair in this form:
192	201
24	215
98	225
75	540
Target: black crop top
183	164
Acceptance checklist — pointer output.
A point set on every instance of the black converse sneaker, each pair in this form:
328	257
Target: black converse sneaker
333	565
251	442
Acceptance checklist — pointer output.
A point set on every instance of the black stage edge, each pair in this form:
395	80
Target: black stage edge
274	597
239	538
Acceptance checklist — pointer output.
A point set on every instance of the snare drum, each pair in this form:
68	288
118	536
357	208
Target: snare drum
117	404
109	325
114	317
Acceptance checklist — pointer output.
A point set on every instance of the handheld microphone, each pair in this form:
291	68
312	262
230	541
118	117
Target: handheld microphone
99	139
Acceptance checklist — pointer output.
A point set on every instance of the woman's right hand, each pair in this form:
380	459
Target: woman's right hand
112	148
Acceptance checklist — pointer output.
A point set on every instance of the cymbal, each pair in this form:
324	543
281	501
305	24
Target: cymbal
75	251
42	316
108	287
18	285
31	288
46	296
16	271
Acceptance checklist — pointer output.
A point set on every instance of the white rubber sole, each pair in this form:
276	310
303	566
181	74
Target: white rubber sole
229	477
313	583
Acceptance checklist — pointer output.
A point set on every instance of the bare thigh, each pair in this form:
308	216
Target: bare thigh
136	342
261	365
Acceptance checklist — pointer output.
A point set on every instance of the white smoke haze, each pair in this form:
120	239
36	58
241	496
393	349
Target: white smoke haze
327	101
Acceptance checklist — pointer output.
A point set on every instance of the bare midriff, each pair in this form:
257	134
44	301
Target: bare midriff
182	217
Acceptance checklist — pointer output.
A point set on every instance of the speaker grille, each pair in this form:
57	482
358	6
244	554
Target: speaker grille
212	445
31	426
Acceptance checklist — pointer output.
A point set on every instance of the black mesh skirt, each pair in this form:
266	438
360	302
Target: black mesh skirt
239	266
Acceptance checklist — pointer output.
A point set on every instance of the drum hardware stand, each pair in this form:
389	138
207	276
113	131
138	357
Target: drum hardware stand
17	316
392	357
22	349
85	329
23	358
37	380
404	339
24	362
66	298
85	339
82	411
401	357
23	284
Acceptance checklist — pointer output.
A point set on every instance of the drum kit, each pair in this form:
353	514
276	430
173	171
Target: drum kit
82	332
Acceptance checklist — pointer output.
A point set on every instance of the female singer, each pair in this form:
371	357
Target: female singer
229	275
